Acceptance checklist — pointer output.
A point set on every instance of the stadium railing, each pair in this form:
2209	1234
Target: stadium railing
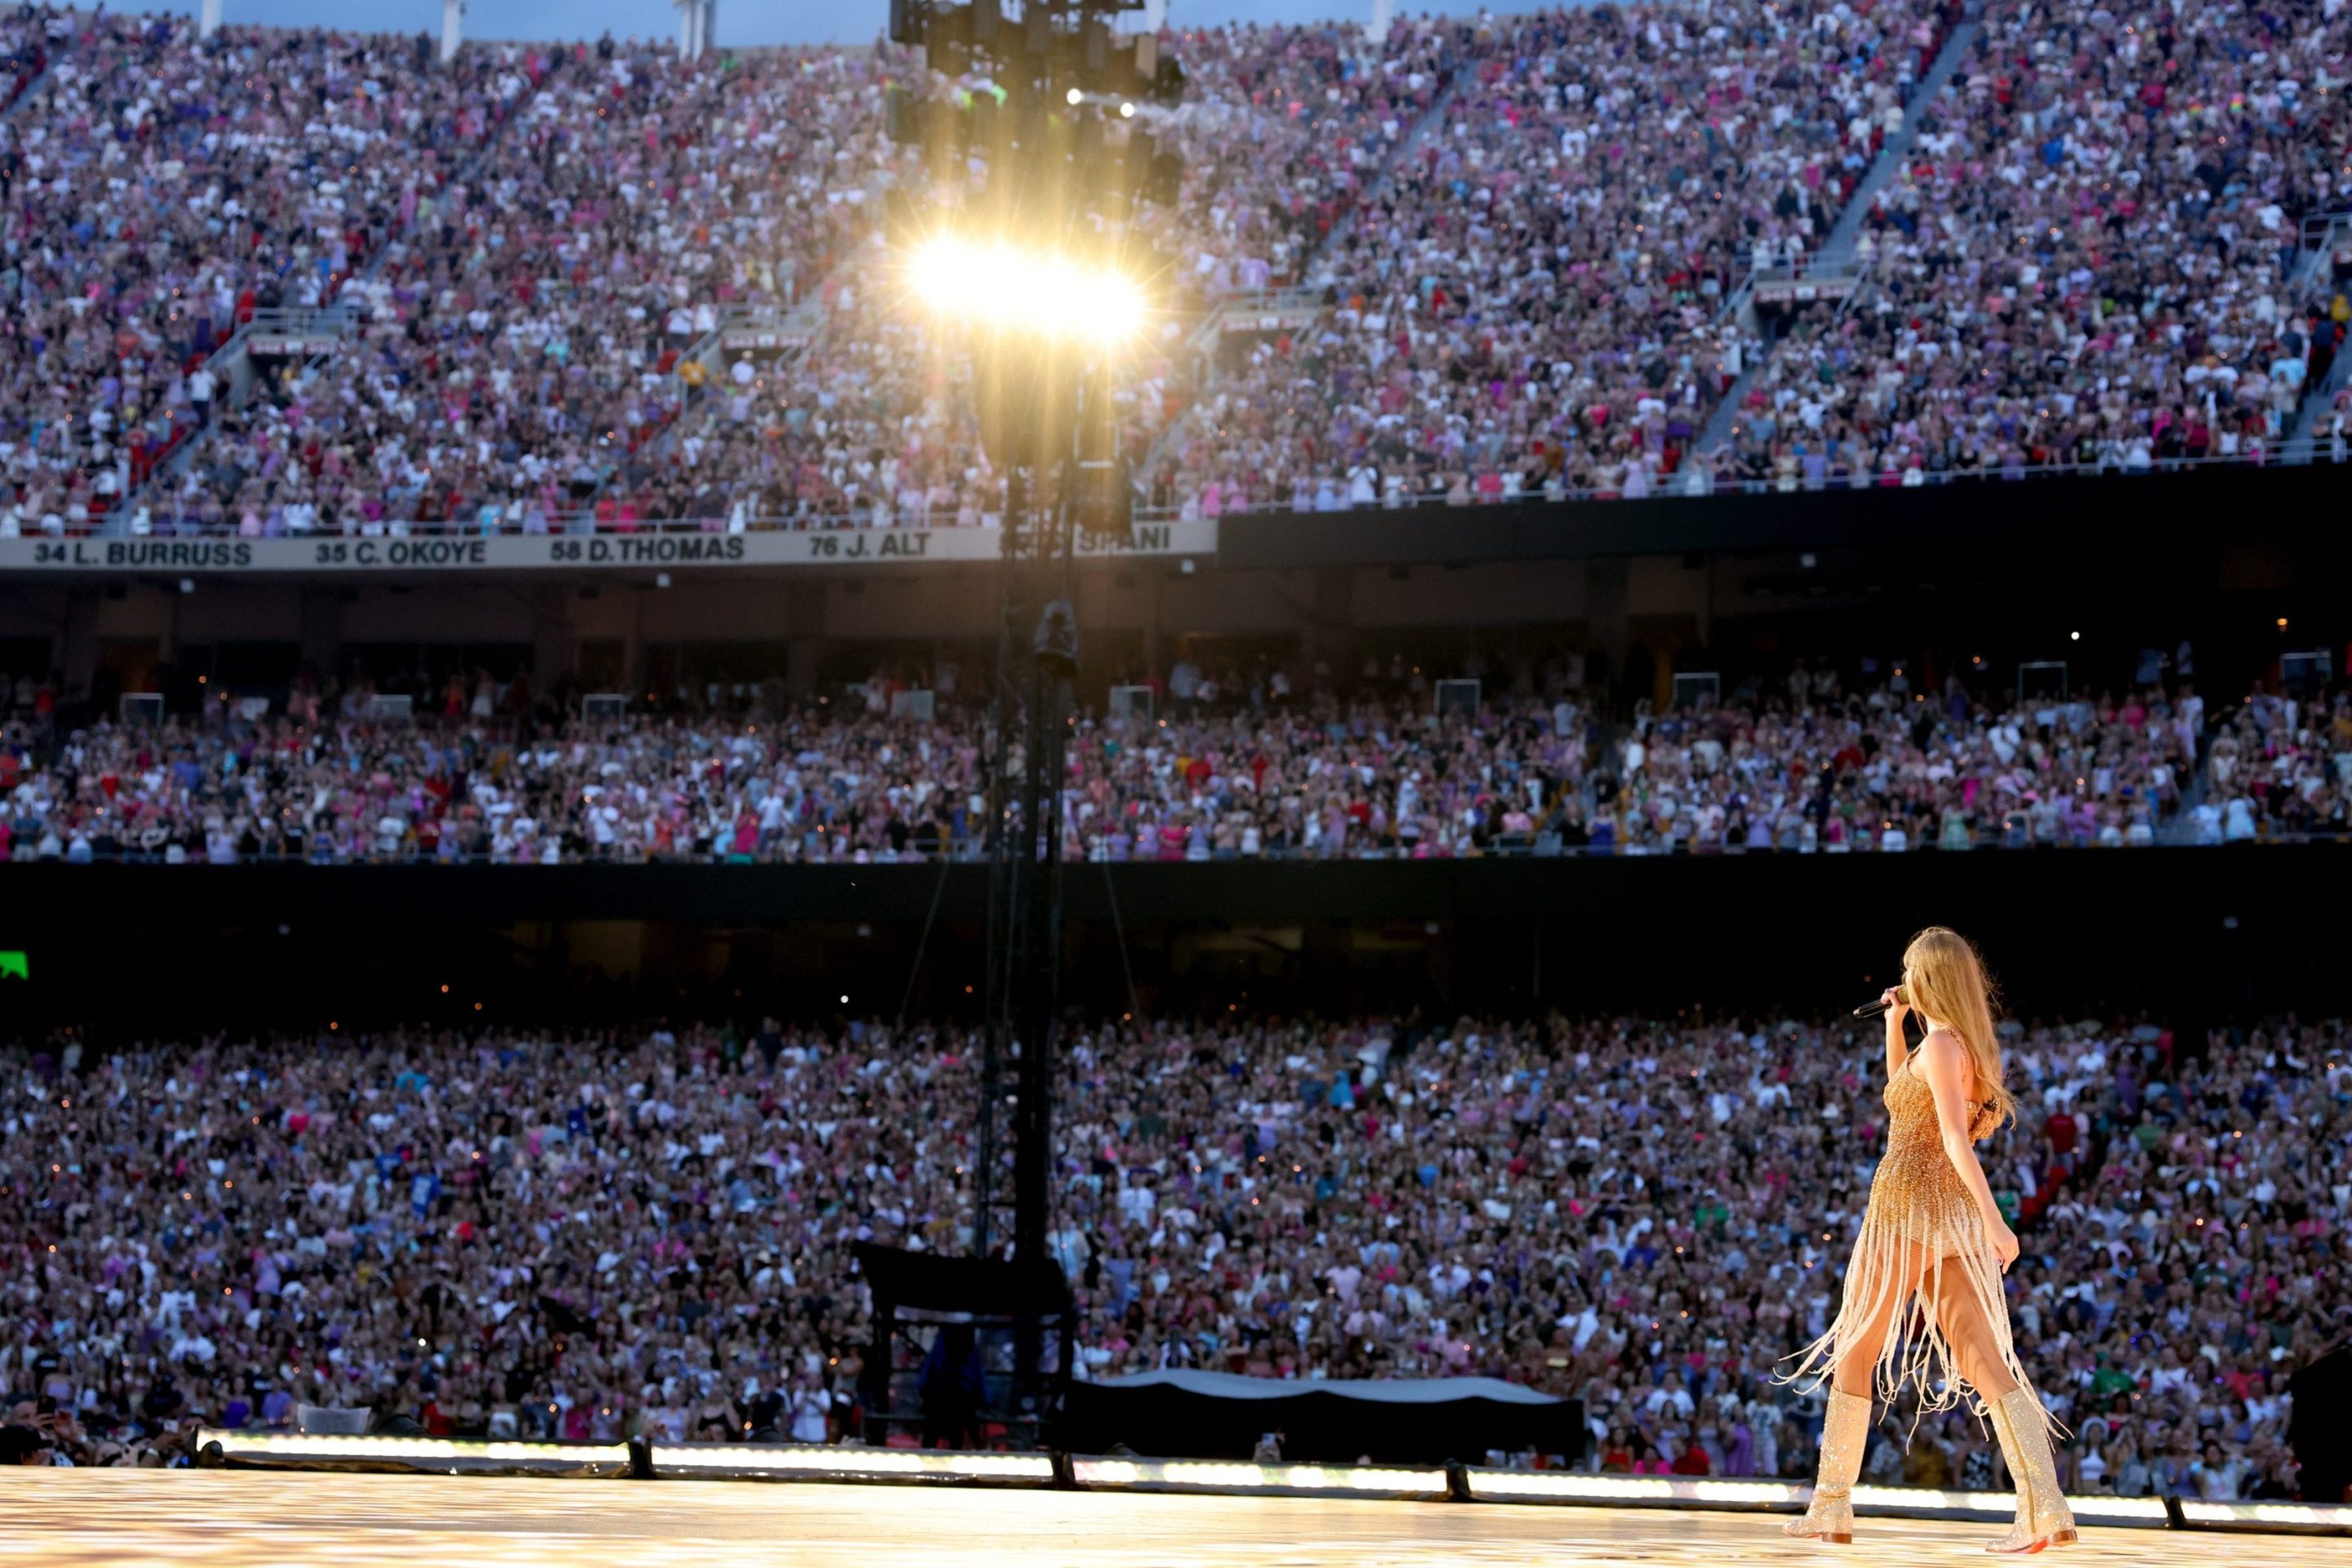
2002	839
1696	481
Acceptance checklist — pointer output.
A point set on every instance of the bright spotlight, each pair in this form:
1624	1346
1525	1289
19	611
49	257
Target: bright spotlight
1002	288
1074	97
1126	111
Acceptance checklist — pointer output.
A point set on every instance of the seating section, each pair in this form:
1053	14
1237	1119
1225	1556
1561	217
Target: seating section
161	189
1234	770
1352	1198
508	367
2086	261
1536	299
1470	262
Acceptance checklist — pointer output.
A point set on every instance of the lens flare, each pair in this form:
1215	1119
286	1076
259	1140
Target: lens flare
999	287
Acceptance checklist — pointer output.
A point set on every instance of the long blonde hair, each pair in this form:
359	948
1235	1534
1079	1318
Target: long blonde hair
1943	977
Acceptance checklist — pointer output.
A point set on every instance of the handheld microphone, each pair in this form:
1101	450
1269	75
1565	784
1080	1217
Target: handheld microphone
1878	1009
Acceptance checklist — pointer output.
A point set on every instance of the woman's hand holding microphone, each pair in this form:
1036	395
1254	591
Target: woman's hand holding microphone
1898	1007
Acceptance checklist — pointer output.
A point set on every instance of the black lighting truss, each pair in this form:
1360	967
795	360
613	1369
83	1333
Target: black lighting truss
1050	100
1036	657
1046	416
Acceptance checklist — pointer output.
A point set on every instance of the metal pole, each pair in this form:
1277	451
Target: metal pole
1003	879
1041	836
1032	1109
1039	974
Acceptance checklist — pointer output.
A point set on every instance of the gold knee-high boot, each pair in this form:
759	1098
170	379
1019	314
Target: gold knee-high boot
1845	1431
2043	1517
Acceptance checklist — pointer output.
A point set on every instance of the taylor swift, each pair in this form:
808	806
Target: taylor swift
1923	1302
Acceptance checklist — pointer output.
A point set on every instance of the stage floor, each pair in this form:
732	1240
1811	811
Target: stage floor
111	1518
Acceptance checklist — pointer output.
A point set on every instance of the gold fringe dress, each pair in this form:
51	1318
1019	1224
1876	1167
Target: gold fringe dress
1923	1241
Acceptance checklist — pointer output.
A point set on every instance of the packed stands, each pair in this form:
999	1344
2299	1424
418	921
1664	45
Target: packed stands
1526	247
648	1230
1241	769
1537	299
163	189
506	367
871	421
1320	779
2277	770
2091	259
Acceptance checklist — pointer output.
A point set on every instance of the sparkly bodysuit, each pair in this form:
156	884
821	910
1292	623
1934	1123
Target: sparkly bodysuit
1916	1192
1923	1242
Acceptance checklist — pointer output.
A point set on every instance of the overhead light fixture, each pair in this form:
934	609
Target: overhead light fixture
999	287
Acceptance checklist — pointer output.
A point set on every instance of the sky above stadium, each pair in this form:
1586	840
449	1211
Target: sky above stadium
740	21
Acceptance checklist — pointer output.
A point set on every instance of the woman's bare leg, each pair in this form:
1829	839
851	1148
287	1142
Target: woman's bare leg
1845	1426
1857	1358
2043	1517
1960	1316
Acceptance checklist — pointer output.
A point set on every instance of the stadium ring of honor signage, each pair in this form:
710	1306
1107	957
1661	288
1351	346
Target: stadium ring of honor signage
457	553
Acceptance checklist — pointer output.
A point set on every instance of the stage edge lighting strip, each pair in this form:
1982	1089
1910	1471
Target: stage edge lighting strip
2269	1515
851	1463
414	1450
1567	1485
1202	1474
1209	1475
1564	1486
2091	1510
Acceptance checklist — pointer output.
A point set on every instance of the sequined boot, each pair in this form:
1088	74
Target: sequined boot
2043	1517
1845	1430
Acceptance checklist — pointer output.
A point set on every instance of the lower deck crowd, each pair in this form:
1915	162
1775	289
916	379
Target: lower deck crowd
648	1230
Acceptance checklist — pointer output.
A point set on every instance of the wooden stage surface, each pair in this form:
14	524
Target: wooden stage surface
111	1518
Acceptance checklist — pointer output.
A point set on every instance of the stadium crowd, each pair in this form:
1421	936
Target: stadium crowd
1317	779
1237	767
505	369
1535	299
2279	767
161	189
647	1231
1520	261
871	420
2087	260
1895	769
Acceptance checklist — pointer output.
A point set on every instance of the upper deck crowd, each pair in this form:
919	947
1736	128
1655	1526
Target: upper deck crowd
1523	243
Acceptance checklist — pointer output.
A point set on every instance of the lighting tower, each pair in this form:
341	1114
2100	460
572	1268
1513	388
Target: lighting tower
1035	259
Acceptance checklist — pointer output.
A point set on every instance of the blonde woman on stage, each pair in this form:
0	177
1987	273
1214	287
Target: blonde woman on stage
1923	1304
